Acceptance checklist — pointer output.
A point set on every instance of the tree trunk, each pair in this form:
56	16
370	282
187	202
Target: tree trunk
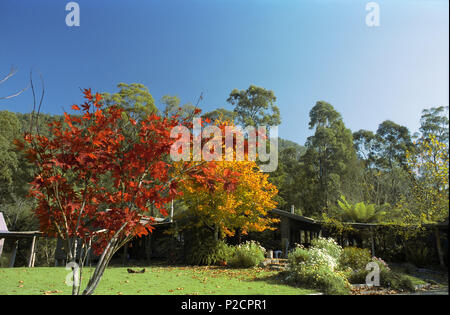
216	232
99	270
372	242
439	248
32	249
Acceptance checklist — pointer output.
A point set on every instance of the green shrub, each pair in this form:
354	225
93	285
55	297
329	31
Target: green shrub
209	252
388	278
249	254
395	281
298	255
381	263
357	276
354	258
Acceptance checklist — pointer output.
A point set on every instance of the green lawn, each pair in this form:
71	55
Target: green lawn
156	280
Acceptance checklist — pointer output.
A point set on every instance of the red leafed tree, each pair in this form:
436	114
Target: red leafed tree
95	183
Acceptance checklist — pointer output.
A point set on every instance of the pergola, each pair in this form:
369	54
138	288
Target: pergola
299	229
16	236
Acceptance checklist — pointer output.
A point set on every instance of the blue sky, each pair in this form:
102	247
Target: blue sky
304	51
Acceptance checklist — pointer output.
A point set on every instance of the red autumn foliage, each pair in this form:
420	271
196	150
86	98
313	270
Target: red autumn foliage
94	183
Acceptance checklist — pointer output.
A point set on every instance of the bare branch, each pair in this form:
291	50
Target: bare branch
11	73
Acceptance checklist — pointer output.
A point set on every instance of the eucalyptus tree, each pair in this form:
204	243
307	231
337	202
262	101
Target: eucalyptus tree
255	106
434	121
134	98
329	156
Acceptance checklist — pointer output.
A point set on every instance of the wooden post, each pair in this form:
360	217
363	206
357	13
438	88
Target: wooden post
30	258
285	235
300	237
438	247
13	255
372	242
2	241
284	246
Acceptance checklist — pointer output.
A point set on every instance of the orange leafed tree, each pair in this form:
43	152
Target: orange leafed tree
242	204
245	207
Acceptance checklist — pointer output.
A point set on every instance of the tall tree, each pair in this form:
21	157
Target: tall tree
171	106
9	159
384	178
393	140
434	122
429	167
255	106
287	178
329	155
134	98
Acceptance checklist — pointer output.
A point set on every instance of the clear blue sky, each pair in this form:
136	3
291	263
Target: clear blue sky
304	51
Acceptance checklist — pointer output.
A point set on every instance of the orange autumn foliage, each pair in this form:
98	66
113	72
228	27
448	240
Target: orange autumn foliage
241	204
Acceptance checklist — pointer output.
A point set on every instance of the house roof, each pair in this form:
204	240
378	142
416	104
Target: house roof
296	216
293	216
19	234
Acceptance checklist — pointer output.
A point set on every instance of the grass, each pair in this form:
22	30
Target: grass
156	280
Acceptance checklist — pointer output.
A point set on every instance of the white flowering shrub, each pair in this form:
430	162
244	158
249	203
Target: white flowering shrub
317	266
320	256
329	245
